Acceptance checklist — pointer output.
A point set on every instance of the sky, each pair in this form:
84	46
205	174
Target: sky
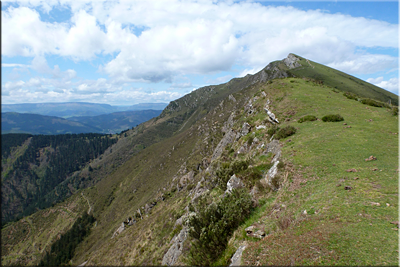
130	52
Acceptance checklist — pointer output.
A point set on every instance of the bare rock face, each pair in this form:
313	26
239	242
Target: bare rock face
173	253
233	183
228	138
291	61
236	258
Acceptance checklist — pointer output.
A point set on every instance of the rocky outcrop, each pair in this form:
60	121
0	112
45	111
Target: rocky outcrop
254	232
228	138
173	253
236	258
275	149
233	183
119	230
291	61
271	116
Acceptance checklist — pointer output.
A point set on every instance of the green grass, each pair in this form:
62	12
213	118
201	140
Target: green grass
345	227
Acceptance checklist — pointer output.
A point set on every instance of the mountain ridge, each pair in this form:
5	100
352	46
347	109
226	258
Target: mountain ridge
143	207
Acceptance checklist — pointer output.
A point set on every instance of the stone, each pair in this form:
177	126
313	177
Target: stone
233	183
249	230
245	129
228	138
261	127
370	158
236	258
291	61
173	253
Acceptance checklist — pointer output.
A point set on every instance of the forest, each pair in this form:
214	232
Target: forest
33	173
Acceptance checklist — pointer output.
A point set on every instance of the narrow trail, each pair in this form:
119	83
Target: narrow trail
309	63
90	207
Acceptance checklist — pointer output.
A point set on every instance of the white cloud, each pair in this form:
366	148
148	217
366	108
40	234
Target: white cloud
193	37
365	64
158	41
391	85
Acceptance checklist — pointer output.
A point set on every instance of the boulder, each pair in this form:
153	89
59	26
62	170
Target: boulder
173	253
291	61
228	138
236	258
245	129
233	183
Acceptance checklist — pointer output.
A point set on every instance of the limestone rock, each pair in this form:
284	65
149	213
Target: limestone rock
233	183
173	253
245	129
228	138
236	258
291	61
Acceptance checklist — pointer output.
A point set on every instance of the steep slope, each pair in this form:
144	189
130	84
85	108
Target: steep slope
145	207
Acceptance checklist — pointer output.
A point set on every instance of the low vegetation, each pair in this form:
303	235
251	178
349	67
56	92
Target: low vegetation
285	132
214	224
332	118
307	118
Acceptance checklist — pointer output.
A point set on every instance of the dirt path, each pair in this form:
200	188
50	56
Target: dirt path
309	63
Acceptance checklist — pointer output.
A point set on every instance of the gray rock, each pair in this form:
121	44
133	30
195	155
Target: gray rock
228	138
245	129
291	61
236	258
173	253
233	183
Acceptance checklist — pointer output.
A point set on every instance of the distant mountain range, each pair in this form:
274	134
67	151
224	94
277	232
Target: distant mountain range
13	122
75	109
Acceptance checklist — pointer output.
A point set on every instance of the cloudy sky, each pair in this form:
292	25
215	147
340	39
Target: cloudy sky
129	52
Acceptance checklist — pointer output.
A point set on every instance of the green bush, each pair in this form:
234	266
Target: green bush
350	95
226	170
332	118
374	103
285	132
395	111
211	228
272	131
307	118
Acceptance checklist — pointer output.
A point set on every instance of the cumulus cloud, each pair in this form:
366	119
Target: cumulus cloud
391	85
158	41
193	37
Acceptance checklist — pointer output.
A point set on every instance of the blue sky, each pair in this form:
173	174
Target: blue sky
130	52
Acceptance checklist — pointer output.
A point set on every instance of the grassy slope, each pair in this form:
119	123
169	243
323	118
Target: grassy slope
342	81
25	242
346	227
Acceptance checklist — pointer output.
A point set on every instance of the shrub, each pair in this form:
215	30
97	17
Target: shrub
332	118
226	170
213	225
350	95
374	103
285	132
307	118
272	131
395	111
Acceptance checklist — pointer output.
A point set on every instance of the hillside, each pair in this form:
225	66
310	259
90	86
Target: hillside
230	168
117	122
71	109
12	122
